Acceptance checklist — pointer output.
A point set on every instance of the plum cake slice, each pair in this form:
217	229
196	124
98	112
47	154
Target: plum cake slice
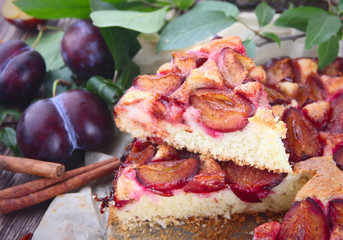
208	100
163	185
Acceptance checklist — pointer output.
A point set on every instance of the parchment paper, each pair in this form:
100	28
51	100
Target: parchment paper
75	215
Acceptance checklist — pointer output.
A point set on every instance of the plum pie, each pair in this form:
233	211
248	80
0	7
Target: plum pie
215	135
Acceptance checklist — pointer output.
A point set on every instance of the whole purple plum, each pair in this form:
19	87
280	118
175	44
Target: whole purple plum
22	71
85	51
52	129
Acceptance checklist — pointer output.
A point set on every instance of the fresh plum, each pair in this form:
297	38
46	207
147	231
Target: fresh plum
52	129
224	111
305	220
302	138
85	51
22	72
251	184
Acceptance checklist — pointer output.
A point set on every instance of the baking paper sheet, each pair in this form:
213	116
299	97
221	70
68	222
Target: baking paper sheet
75	215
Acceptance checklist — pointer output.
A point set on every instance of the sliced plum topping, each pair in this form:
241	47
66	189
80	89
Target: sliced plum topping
313	90
278	69
162	177
303	68
139	153
184	61
224	111
337	233
335	213
267	231
335	124
275	97
251	184
161	84
305	220
338	157
231	67
318	112
334	69
165	153
302	138
211	177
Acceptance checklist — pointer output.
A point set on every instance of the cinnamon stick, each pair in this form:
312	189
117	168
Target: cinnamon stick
13	204
39	184
31	166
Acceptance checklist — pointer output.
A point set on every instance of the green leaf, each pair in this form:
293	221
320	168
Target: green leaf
340	35
97	5
297	18
63	73
121	42
228	8
264	14
49	47
327	52
272	36
193	27
129	72
55	9
145	22
8	137
9	112
340	6
320	28
184	4
104	88
250	47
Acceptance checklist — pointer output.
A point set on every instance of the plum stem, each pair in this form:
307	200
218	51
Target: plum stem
330	6
39	36
56	83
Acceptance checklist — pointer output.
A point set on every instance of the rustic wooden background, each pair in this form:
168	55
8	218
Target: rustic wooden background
17	224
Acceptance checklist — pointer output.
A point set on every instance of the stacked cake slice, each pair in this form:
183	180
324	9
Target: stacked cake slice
209	101
207	141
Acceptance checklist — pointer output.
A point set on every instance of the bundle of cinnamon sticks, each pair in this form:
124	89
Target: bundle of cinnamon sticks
37	191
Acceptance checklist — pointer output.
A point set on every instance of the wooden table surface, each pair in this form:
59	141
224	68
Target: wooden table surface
17	224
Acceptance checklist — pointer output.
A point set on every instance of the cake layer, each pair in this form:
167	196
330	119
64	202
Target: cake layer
254	145
164	210
160	184
209	101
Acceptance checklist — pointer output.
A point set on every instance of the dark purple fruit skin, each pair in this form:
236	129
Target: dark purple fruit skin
85	51
51	129
22	71
41	133
88	116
